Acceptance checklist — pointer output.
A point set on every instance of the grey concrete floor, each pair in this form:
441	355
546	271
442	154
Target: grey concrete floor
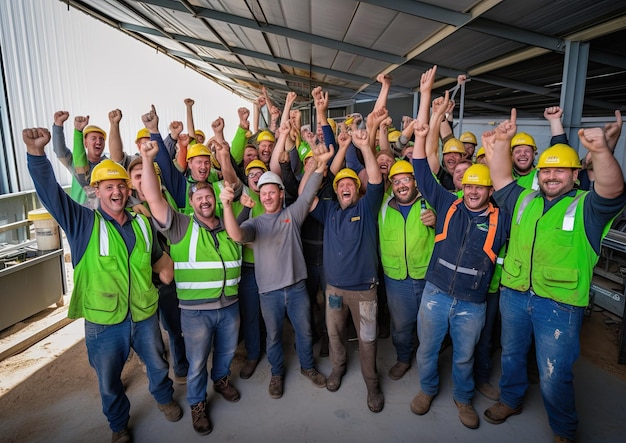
60	403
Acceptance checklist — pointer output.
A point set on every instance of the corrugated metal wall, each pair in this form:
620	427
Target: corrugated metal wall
56	58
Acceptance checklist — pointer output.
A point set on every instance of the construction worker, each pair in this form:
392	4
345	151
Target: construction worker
469	233
469	143
523	152
265	145
480	156
207	274
406	243
452	153
114	254
555	242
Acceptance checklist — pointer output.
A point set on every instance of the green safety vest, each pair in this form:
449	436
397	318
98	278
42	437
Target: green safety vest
406	246
550	253
528	181
203	271
108	283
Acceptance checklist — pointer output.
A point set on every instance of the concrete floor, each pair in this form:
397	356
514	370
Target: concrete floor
60	403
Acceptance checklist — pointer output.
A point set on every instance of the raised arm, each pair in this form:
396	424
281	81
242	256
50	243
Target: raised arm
610	182
553	115
150	185
116	147
385	86
191	129
426	87
279	146
227	197
361	140
499	157
613	130
440	104
344	140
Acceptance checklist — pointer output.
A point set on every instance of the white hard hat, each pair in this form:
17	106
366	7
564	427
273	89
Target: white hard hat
270	177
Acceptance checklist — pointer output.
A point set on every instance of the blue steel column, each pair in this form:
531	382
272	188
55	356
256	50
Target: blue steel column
573	89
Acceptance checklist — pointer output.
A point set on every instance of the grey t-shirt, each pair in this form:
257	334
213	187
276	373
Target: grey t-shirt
275	238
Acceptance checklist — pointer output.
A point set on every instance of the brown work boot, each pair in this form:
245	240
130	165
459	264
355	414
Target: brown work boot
488	391
228	391
375	400
468	415
420	404
122	436
248	369
312	374
276	386
398	370
499	412
333	382
200	419
171	410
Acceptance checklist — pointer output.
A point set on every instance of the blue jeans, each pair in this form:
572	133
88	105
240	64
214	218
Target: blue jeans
108	347
466	319
556	328
403	298
484	348
250	309
294	301
169	314
203	329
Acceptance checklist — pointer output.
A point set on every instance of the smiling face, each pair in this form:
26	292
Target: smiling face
265	151
94	143
555	182
476	197
404	188
271	197
523	157
469	149
203	203
113	195
249	154
384	163
347	192
457	175
135	180
450	160
253	178
200	167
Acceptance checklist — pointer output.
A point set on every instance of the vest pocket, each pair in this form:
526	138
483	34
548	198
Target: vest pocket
560	277
101	301
512	267
108	263
146	299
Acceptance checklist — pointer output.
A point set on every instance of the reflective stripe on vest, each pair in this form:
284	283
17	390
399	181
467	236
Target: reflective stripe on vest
193	264
104	236
570	212
491	233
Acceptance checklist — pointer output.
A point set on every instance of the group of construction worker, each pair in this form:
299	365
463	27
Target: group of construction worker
220	241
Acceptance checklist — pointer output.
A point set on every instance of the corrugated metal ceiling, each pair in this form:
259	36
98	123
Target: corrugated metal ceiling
512	50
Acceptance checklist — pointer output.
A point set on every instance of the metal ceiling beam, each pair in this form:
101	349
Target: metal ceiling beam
281	30
424	10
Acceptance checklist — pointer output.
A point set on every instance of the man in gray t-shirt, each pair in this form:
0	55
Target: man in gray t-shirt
275	238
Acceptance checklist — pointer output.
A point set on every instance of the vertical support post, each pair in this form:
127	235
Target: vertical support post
573	88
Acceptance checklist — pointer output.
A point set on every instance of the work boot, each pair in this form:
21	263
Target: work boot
375	399
171	410
420	404
228	391
333	382
276	386
122	436
312	374
200	420
467	414
398	370
488	391
499	412
248	369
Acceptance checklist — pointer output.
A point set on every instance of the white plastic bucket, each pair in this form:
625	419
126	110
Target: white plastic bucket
46	230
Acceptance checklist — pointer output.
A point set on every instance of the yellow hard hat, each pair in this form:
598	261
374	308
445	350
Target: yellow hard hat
199	132
480	152
559	156
256	164
400	167
468	137
333	124
107	169
92	128
142	133
197	150
265	136
393	136
454	145
348	121
308	155
477	174
522	138
346	173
